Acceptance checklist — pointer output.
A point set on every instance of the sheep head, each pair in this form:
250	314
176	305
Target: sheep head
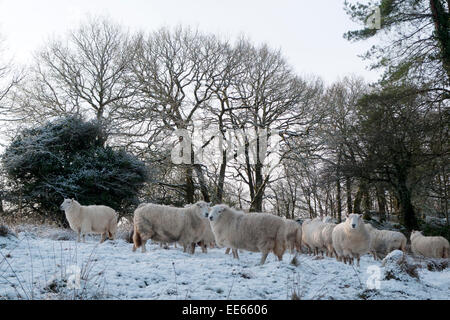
204	208
216	211
67	204
354	220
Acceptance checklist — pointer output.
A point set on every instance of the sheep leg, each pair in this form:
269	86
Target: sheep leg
143	246
78	236
84	238
192	248
103	237
204	247
263	258
235	253
357	260
227	251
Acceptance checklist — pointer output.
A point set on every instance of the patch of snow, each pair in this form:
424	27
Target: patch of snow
41	268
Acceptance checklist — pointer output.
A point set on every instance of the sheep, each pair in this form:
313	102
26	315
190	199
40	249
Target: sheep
351	239
90	219
293	235
256	232
430	247
385	241
327	240
169	224
234	251
329	219
312	235
207	238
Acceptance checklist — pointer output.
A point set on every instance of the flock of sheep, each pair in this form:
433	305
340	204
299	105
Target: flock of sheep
220	225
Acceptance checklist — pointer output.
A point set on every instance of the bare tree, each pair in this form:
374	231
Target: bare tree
174	72
270	97
81	73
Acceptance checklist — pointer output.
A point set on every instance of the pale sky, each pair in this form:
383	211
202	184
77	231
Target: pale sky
309	33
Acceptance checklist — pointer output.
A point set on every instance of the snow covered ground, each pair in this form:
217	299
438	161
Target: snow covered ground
41	267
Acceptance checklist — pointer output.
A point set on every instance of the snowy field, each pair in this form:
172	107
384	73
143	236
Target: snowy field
39	266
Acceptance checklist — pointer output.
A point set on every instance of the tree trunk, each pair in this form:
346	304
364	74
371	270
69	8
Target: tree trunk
407	213
338	199
441	28
202	182
220	183
259	187
348	189
257	199
358	199
248	168
366	202
190	188
381	199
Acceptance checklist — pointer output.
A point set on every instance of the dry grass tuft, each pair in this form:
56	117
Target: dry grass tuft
5	231
295	261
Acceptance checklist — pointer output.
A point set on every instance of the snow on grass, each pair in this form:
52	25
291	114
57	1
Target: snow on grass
38	266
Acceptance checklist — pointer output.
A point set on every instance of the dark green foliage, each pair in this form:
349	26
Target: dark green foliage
415	41
431	230
394	132
67	158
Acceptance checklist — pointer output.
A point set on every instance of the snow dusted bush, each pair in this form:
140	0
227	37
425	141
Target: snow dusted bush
397	265
68	158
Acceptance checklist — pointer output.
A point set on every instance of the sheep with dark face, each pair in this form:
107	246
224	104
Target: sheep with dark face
256	232
169	224
351	239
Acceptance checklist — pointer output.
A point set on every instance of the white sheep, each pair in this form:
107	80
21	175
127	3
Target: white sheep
90	219
169	224
327	240
382	242
430	247
207	238
351	239
329	219
293	235
312	235
256	232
